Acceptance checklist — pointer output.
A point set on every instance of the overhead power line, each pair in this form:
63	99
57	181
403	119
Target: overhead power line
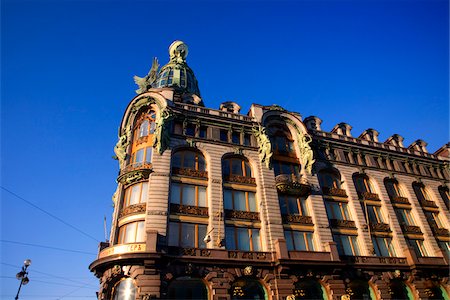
53	283
47	247
49	214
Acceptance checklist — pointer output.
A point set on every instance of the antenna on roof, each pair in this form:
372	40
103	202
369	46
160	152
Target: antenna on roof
104	227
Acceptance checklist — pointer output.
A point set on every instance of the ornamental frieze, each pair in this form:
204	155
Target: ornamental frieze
380	227
136	166
411	229
400	200
440	231
369	196
291	184
133	209
428	203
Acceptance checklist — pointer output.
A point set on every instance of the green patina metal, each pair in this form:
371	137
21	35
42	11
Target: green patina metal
121	147
265	147
305	152
162	130
145	83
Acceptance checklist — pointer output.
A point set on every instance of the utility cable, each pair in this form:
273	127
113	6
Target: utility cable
49	214
54	283
47	247
50	275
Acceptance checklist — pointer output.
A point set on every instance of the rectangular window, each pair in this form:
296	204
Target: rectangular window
419	247
299	241
433	219
240	200
187	235
186	194
445	246
291	205
337	210
203	132
247	141
244	239
404	216
375	215
346	244
190	130
224	135
236	138
178	128
383	246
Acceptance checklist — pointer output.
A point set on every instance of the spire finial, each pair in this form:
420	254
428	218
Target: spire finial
178	51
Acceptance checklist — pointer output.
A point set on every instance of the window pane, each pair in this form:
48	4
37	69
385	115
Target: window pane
144	192
303	207
252	202
283	205
346	245
139	156
201	235
248	170
187	235
239	201
175	193
293	206
346	213
201	196
226	167
256	240
309	237
201	163
148	154
355	245
337	210
140	235
229	236
236	167
134	197
189	160
130	231
299	241
173	234
152	127
329	209
243	239
143	130
289	241
176	160
188	194
227	198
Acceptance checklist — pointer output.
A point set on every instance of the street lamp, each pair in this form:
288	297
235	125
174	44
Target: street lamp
23	276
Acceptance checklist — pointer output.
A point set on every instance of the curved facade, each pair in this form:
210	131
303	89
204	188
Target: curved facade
214	204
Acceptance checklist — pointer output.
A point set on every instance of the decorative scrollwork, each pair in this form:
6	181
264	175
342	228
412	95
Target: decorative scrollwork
334	192
342	223
133	209
188	210
305	220
189	172
239	214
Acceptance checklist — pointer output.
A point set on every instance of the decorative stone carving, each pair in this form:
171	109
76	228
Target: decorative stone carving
428	203
248	271
162	131
305	220
440	231
133	209
265	147
411	229
334	192
133	176
400	200
146	82
188	210
342	223
121	147
240	179
306	155
368	196
136	166
189	172
380	227
239	214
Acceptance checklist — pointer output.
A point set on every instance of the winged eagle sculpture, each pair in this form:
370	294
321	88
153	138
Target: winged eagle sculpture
146	82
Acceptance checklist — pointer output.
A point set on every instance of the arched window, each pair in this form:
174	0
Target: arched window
135	194
421	193
444	192
142	150
188	160
399	290
187	288
236	166
132	233
361	290
309	289
364	187
393	189
247	289
124	290
282	142
293	205
329	179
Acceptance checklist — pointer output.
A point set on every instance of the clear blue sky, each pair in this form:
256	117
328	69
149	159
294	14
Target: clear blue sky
67	69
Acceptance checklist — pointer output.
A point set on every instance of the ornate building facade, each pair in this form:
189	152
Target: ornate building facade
215	204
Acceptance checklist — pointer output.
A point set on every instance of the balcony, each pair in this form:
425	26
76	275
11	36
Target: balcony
440	231
188	210
380	227
304	220
368	196
334	192
428	203
189	172
122	249
411	229
133	209
240	179
239	214
310	256
135	167
400	200
335	223
292	184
